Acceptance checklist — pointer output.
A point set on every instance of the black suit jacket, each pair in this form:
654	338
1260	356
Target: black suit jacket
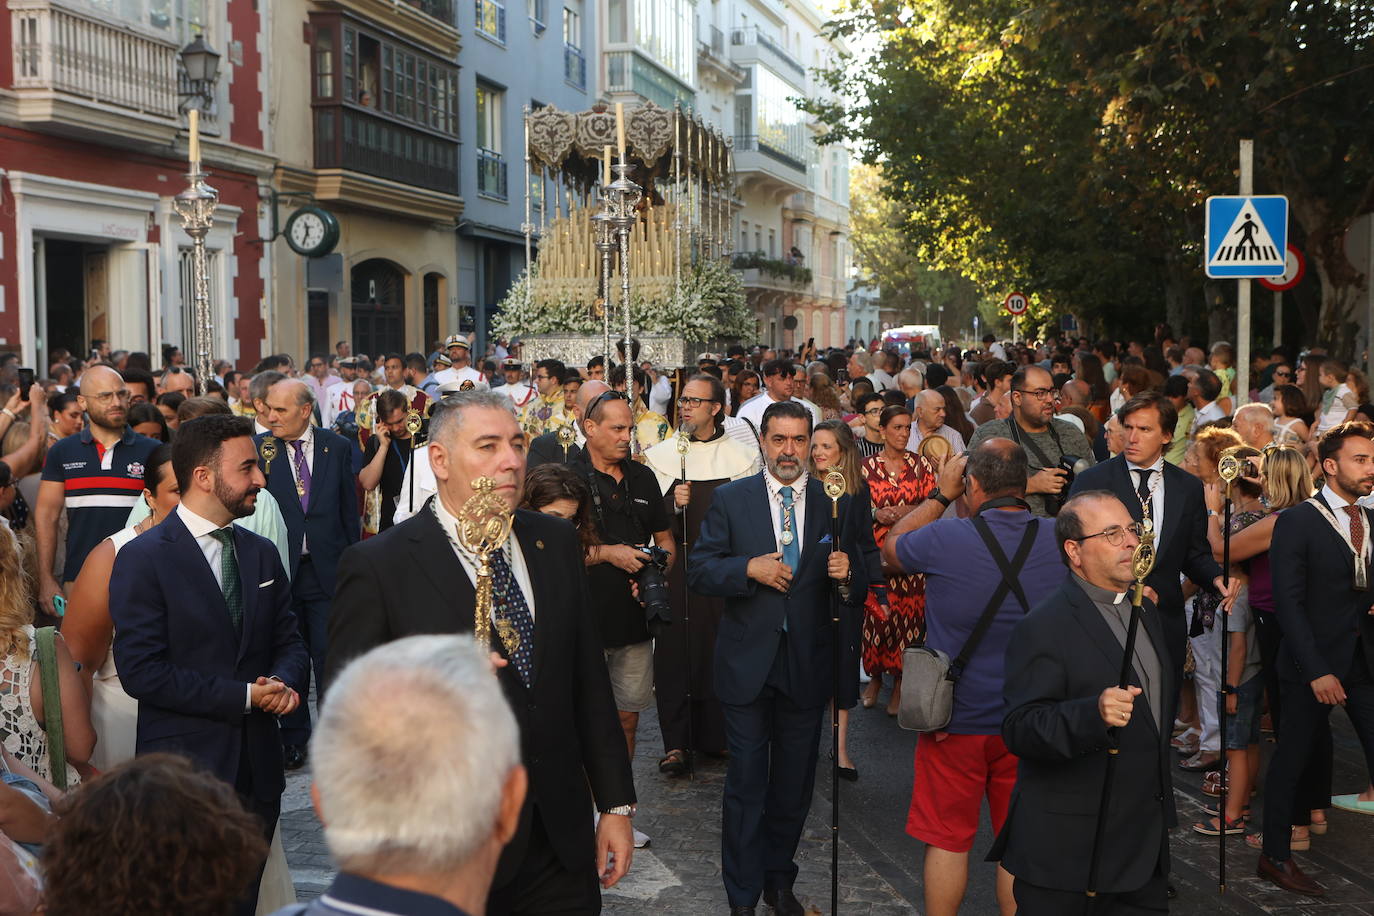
544	449
1061	657
1323	615
408	581
179	656
334	518
1181	547
738	527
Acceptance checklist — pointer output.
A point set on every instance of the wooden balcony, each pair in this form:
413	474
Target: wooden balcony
367	158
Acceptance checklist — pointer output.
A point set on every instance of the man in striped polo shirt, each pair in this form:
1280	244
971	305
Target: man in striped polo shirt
96	475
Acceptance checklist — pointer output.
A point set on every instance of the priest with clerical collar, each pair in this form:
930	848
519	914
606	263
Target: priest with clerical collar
713	459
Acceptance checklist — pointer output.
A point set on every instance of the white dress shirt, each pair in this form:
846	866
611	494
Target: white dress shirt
1338	504
946	432
798	508
1157	484
1207	413
514	555
202	529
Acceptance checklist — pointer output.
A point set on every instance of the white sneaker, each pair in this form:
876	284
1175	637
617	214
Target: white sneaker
641	839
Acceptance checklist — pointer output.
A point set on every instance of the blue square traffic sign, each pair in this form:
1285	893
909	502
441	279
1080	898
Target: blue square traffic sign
1247	237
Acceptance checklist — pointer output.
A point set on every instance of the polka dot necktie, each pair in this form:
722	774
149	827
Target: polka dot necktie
509	603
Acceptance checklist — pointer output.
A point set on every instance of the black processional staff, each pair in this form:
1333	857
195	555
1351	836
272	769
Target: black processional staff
1228	469
684	441
834	488
1141	565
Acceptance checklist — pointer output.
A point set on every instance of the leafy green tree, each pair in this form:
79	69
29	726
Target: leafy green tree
1067	148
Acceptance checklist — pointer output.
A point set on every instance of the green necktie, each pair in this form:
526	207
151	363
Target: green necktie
229	574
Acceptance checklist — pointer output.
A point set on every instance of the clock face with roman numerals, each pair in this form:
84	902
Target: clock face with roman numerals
312	232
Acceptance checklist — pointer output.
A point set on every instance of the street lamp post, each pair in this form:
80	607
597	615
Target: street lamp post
196	205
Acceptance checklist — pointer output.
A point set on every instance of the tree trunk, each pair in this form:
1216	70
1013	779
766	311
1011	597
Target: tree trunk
1341	282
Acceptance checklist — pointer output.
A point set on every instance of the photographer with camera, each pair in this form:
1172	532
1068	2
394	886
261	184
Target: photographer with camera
636	550
1057	450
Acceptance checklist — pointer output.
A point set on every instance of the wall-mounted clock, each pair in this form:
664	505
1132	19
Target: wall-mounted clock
312	231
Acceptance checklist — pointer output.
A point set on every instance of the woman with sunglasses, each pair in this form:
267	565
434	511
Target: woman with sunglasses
1282	375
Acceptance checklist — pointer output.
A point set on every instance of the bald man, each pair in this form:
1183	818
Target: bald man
547	449
95	474
930	421
313	479
1255	423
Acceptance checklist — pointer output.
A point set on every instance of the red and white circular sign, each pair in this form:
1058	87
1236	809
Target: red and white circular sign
1294	267
1016	303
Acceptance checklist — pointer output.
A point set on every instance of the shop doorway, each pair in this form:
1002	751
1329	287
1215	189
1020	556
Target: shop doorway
72	293
378	308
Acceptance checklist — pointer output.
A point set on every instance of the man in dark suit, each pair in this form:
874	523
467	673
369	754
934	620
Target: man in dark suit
765	548
546	449
312	476
1064	710
204	635
417	578
1172	499
1320	555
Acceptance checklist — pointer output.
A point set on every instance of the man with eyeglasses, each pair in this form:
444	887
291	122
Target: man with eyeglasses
869	436
548	411
713	459
1172	499
96	474
1046	439
1064	710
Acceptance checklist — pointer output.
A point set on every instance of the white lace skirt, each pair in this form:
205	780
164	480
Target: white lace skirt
114	714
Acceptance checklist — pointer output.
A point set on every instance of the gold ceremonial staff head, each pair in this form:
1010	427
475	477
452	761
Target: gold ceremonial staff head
484	523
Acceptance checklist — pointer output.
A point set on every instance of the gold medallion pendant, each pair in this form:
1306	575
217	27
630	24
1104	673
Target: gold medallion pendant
510	637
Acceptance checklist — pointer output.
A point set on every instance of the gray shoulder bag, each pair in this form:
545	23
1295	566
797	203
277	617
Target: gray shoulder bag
928	675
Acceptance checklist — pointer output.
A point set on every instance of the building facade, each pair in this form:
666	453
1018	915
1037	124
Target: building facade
364	118
791	234
514	56
93	147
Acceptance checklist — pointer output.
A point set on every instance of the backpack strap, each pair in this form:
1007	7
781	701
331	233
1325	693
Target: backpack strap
46	640
1010	571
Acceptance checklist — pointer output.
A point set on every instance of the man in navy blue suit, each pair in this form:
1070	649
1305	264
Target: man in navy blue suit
204	635
313	478
765	548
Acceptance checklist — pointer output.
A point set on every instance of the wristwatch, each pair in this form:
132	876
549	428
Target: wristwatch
622	810
939	497
1228	688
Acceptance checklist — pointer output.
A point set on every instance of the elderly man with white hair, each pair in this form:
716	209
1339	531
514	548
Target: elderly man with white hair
930	421
1255	423
428	714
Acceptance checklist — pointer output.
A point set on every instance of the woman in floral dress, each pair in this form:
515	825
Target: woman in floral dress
899	481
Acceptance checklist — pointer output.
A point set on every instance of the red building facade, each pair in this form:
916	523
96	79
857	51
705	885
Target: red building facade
93	149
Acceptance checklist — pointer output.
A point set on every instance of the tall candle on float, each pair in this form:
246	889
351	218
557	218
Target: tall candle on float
194	124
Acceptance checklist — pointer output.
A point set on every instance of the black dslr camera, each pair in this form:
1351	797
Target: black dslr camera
653	589
1070	465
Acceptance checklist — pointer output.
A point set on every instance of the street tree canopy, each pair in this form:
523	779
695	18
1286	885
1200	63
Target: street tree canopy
1067	148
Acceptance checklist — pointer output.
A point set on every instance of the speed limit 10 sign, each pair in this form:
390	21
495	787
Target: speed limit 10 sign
1016	303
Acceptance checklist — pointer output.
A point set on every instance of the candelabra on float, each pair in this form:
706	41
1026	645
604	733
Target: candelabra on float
196	207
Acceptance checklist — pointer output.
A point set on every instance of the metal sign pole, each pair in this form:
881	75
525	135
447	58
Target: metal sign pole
1240	391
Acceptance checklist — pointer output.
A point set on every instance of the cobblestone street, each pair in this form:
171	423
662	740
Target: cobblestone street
679	873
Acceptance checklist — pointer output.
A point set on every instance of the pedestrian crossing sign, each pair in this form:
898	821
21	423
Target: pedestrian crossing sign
1247	237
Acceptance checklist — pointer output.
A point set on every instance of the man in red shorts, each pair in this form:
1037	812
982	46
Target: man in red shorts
958	767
